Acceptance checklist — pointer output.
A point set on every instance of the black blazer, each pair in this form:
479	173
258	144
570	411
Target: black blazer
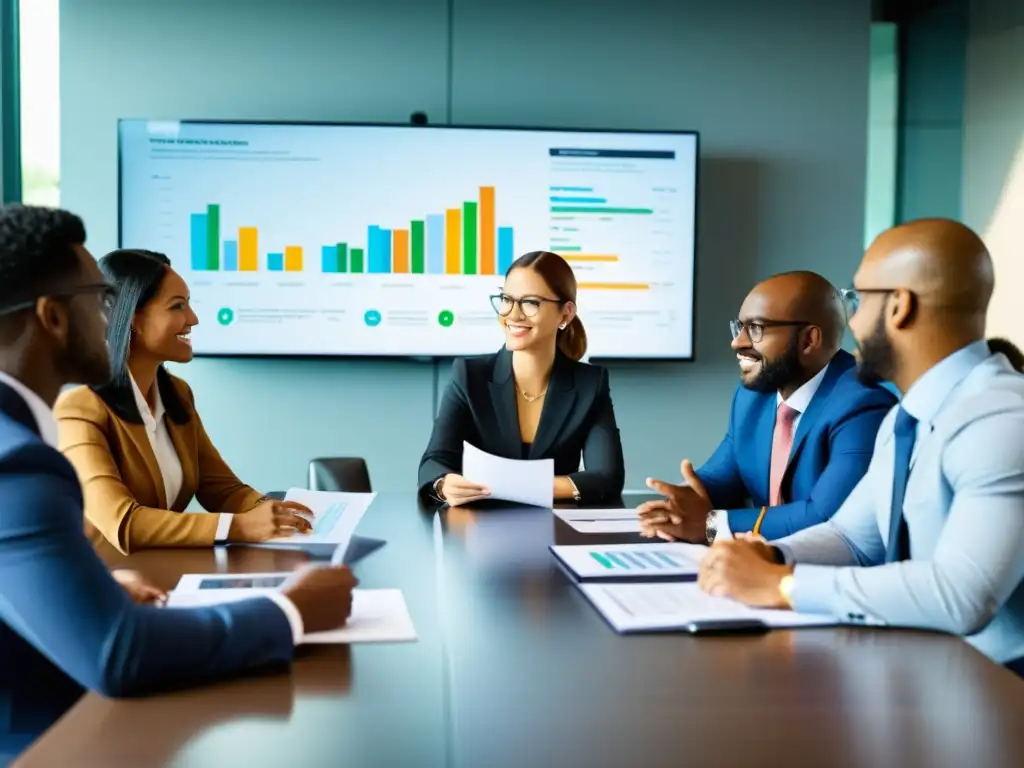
479	406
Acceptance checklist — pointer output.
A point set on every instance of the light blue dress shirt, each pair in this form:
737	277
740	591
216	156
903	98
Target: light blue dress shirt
964	508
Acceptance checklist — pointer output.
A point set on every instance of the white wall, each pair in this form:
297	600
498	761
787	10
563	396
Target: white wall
778	91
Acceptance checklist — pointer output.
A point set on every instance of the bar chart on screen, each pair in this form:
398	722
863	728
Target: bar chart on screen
368	240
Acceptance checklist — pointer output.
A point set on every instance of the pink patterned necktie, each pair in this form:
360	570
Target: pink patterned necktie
782	445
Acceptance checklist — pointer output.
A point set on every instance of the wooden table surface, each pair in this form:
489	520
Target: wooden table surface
513	667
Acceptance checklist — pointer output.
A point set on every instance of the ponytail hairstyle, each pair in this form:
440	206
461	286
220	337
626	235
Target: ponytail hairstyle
556	272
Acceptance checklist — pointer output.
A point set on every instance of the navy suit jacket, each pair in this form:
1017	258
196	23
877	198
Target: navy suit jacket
832	448
66	625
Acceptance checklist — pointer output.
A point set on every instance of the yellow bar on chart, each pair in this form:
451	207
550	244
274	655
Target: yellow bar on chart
453	242
248	249
614	286
589	257
293	258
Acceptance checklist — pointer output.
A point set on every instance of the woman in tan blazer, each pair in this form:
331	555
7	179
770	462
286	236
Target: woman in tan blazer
138	444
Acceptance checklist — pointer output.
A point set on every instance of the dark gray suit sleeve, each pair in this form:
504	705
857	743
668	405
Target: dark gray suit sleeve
57	594
453	425
604	472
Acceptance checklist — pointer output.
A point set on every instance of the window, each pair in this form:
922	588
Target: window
883	94
39	51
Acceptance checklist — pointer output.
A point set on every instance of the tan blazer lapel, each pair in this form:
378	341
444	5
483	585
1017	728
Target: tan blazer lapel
183	438
139	439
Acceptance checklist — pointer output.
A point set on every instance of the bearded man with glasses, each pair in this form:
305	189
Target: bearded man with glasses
801	430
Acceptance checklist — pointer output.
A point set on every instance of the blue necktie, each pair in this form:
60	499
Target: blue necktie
905	431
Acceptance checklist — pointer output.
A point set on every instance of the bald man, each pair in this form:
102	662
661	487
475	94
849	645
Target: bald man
801	430
933	536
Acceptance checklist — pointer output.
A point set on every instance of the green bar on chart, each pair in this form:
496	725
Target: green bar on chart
469	238
418	265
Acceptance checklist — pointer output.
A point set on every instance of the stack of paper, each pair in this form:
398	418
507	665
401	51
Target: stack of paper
668	606
601	520
521	482
631	561
378	615
335	517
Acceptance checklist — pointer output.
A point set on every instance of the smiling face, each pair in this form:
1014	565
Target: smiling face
773	361
162	327
529	311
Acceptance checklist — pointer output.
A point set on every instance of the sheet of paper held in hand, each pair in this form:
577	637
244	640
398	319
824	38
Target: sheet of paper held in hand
521	482
631	561
674	605
601	520
378	615
335	517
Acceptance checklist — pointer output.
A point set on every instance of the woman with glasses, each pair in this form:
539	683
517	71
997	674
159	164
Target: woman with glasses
533	399
138	444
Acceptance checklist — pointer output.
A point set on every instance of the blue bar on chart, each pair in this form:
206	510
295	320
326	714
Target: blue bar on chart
506	249
275	262
435	244
379	242
230	256
571	189
197	230
329	258
563	199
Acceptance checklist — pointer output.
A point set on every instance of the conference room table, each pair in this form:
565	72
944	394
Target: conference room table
513	667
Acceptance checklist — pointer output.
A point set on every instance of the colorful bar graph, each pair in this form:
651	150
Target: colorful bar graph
230	261
293	258
469	265
506	249
400	253
197	232
275	262
418	263
435	244
488	262
453	243
357	261
248	249
212	236
378	241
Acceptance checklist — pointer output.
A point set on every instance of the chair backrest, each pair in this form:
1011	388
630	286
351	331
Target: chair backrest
348	474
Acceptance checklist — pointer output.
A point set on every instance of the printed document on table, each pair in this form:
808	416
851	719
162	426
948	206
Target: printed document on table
631	561
601	520
335	517
521	482
378	615
675	605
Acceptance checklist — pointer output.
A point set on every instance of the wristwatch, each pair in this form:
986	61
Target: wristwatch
575	491
711	527
439	488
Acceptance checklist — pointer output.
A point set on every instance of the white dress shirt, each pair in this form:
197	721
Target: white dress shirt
166	456
155	420
799	401
963	508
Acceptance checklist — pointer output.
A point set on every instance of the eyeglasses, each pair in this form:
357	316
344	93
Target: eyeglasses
106	292
852	297
529	305
755	328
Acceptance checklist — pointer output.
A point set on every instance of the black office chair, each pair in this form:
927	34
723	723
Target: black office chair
347	474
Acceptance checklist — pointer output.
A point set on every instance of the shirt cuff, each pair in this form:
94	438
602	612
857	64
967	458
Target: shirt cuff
291	613
814	588
223	527
722	531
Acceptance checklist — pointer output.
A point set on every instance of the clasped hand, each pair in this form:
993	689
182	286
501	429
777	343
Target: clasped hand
682	515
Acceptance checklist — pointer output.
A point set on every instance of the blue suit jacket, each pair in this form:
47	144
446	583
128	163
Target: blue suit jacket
832	448
66	625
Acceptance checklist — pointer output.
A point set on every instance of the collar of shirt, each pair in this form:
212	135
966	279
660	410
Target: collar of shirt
42	413
924	399
150	416
800	399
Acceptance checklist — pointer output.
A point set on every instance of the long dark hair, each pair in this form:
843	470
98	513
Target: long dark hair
556	272
136	274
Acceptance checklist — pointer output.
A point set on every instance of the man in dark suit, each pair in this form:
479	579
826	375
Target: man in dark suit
65	624
802	428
